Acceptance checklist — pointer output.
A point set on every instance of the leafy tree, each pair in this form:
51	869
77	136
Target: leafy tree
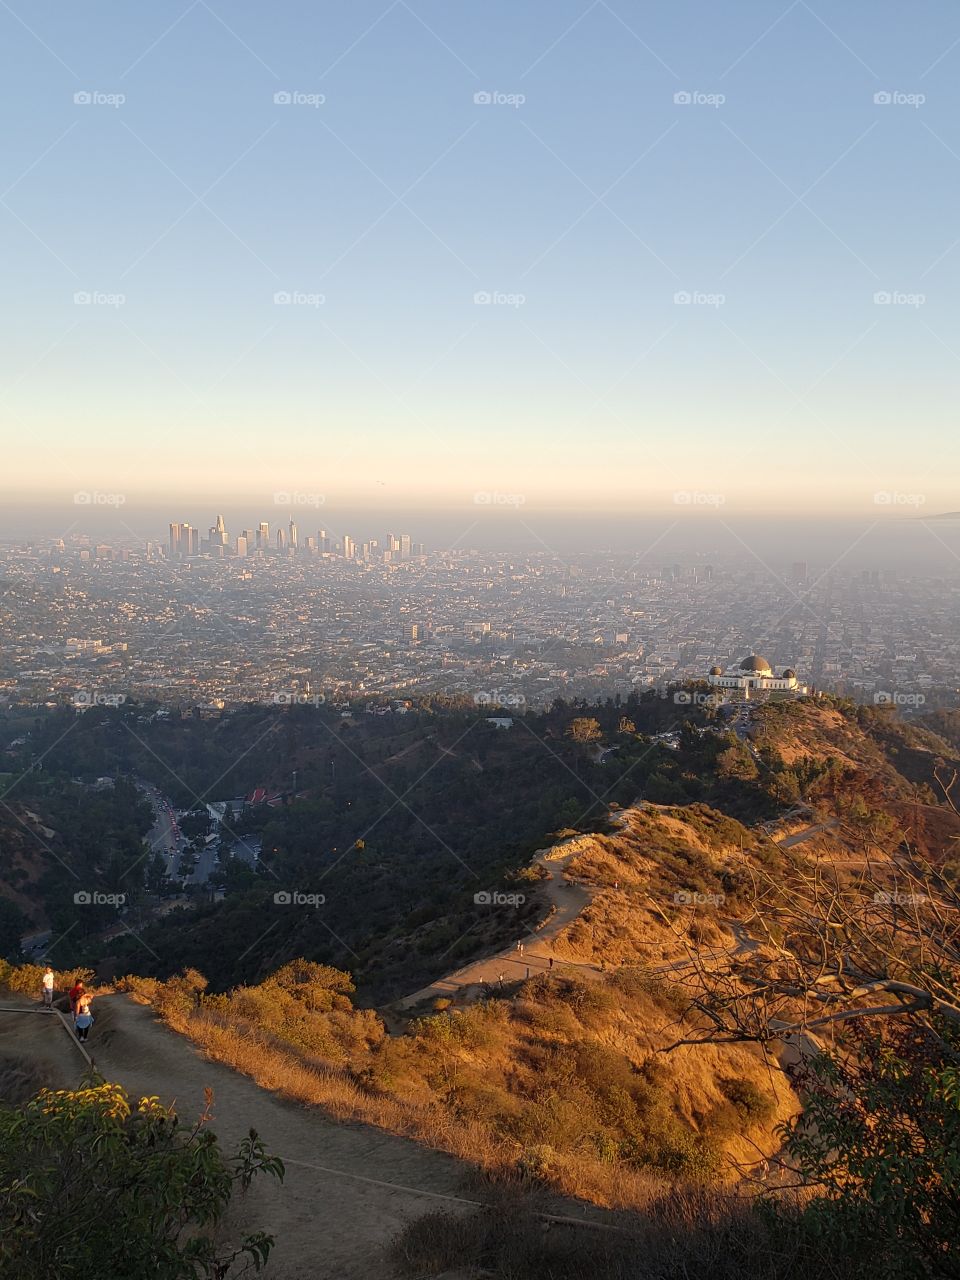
584	729
736	762
93	1186
196	824
155	876
879	1138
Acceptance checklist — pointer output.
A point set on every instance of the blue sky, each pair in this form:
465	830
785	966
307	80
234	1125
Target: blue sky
583	200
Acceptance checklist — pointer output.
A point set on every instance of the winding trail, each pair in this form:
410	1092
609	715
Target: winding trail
808	833
567	899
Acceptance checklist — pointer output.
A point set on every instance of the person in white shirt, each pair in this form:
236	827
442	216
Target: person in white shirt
48	981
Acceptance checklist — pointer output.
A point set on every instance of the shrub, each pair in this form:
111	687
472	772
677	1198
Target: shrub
751	1103
64	1156
26	979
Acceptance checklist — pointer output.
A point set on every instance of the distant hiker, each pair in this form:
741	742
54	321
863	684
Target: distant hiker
84	1019
75	992
48	981
551	962
520	946
500	980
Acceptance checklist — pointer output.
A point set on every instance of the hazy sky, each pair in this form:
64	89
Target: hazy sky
581	198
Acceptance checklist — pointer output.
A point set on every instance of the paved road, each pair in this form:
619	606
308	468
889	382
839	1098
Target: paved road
162	837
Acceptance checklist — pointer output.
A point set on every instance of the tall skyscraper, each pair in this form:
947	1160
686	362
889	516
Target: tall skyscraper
323	540
405	545
263	536
218	534
174	541
349	547
241	547
294	543
281	540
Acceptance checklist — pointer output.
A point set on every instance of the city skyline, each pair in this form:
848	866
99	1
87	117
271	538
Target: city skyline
405	253
184	541
88	622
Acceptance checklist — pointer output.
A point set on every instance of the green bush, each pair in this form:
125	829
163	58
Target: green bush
91	1186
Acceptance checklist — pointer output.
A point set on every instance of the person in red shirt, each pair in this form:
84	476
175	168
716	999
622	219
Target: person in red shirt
75	992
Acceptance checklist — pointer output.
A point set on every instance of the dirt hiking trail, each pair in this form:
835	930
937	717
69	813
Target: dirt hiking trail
567	898
327	1224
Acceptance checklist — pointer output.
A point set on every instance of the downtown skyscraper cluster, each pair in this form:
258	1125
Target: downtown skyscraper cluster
185	543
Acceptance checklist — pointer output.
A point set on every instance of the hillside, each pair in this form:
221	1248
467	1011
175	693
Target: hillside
399	821
588	1065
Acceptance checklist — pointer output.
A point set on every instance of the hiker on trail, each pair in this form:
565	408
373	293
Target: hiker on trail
84	1019
520	946
75	992
48	981
551	962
